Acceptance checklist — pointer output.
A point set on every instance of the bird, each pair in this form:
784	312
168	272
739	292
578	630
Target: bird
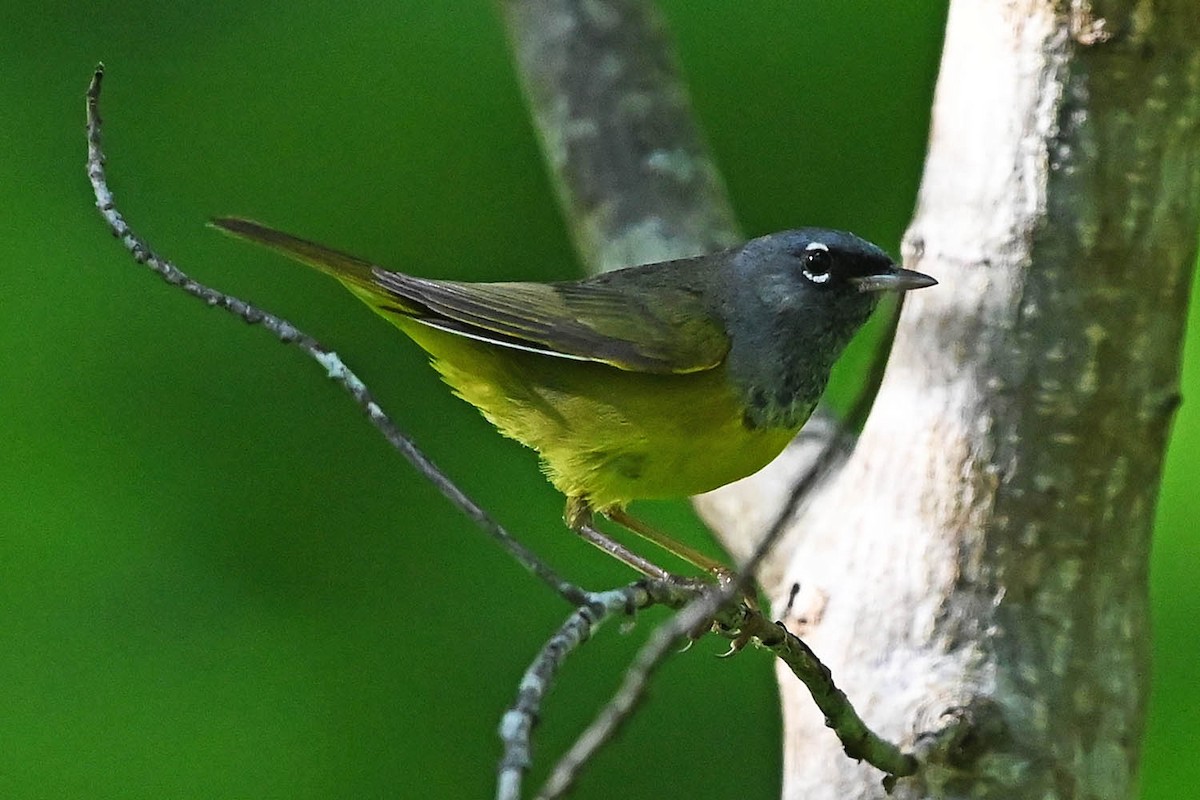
662	380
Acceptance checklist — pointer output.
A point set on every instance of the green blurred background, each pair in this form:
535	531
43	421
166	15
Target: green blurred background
215	579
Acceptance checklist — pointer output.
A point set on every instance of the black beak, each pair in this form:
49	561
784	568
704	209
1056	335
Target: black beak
899	280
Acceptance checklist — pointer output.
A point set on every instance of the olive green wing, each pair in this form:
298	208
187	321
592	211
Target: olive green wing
640	328
647	319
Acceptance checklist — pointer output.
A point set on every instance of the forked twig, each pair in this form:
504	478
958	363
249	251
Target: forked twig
516	727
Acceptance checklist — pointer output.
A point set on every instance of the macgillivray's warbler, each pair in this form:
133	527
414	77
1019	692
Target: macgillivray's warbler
657	381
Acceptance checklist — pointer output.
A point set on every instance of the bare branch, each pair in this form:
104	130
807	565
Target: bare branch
516	727
619	709
743	626
634	177
858	741
290	334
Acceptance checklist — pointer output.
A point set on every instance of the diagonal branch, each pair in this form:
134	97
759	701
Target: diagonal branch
633	175
329	360
516	727
742	626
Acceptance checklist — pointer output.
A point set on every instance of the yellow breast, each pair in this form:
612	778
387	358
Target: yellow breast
606	434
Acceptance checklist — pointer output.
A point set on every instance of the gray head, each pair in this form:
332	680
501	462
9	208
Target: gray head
796	300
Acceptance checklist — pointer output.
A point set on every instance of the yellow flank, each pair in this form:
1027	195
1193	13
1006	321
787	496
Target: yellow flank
605	434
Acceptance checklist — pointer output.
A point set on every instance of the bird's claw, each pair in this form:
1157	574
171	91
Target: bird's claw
726	578
737	645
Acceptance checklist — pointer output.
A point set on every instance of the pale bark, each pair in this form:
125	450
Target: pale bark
986	547
977	569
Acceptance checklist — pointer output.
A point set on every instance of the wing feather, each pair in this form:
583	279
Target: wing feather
591	320
652	318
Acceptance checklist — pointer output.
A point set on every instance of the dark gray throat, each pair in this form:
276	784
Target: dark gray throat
783	374
787	405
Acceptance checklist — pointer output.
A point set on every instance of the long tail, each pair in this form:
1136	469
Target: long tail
352	271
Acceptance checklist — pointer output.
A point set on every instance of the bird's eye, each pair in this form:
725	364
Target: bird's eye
816	262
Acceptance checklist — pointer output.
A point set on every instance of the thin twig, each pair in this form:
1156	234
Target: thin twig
516	727
858	741
620	707
329	360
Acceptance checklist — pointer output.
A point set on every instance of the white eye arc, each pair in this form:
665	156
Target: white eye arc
822	275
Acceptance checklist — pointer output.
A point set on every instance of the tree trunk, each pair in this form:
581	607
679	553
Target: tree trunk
975	574
983	555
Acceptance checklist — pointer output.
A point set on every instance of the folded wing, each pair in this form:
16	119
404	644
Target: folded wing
653	330
650	319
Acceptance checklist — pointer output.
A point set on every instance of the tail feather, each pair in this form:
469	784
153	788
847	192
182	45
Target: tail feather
352	271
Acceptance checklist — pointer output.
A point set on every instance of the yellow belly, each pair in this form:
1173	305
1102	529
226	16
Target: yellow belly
604	434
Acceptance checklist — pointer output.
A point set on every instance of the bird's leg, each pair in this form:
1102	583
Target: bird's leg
722	573
671	545
578	517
